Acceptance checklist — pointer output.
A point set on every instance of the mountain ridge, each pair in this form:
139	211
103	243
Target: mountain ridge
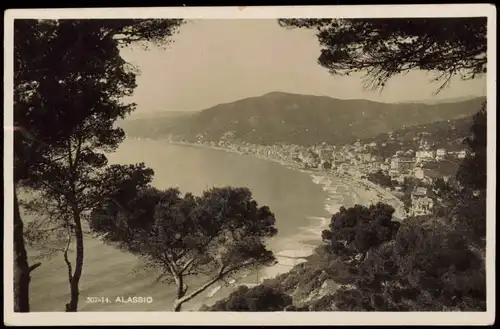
279	117
424	101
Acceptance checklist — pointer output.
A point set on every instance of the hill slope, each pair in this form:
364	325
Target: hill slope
155	125
447	134
302	119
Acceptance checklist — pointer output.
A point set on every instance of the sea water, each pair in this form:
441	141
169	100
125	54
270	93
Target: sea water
301	201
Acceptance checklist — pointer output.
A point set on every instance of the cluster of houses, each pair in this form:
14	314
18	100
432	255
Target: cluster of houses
357	160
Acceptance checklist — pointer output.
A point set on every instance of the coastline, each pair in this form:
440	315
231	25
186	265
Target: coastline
358	191
290	249
362	185
341	189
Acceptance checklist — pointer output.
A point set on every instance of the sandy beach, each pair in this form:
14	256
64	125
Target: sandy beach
341	190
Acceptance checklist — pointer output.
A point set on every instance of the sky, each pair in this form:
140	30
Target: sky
220	61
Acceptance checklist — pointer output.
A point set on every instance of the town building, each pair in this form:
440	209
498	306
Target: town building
365	157
419	173
338	157
409	152
402	164
462	154
326	154
421	204
441	152
424	155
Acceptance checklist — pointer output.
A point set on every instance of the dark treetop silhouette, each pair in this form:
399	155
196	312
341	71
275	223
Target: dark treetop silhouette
215	235
385	47
69	78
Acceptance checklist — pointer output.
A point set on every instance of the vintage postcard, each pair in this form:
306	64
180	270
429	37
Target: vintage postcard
328	165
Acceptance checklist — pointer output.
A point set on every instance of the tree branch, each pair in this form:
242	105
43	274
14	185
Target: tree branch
187	265
34	266
176	274
203	287
56	189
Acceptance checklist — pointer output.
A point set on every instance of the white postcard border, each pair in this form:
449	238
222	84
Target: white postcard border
259	318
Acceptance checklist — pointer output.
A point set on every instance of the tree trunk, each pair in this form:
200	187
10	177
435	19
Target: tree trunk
72	306
177	306
181	292
21	267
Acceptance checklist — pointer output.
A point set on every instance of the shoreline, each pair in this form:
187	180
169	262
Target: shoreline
356	182
364	192
340	190
300	245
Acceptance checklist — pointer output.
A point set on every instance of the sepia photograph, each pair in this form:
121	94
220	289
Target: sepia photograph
278	160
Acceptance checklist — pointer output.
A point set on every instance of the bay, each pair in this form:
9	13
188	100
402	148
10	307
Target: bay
297	202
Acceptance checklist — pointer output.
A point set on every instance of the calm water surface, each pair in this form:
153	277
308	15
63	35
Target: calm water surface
296	201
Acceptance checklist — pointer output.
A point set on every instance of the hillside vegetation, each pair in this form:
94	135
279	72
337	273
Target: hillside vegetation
303	119
426	266
447	134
